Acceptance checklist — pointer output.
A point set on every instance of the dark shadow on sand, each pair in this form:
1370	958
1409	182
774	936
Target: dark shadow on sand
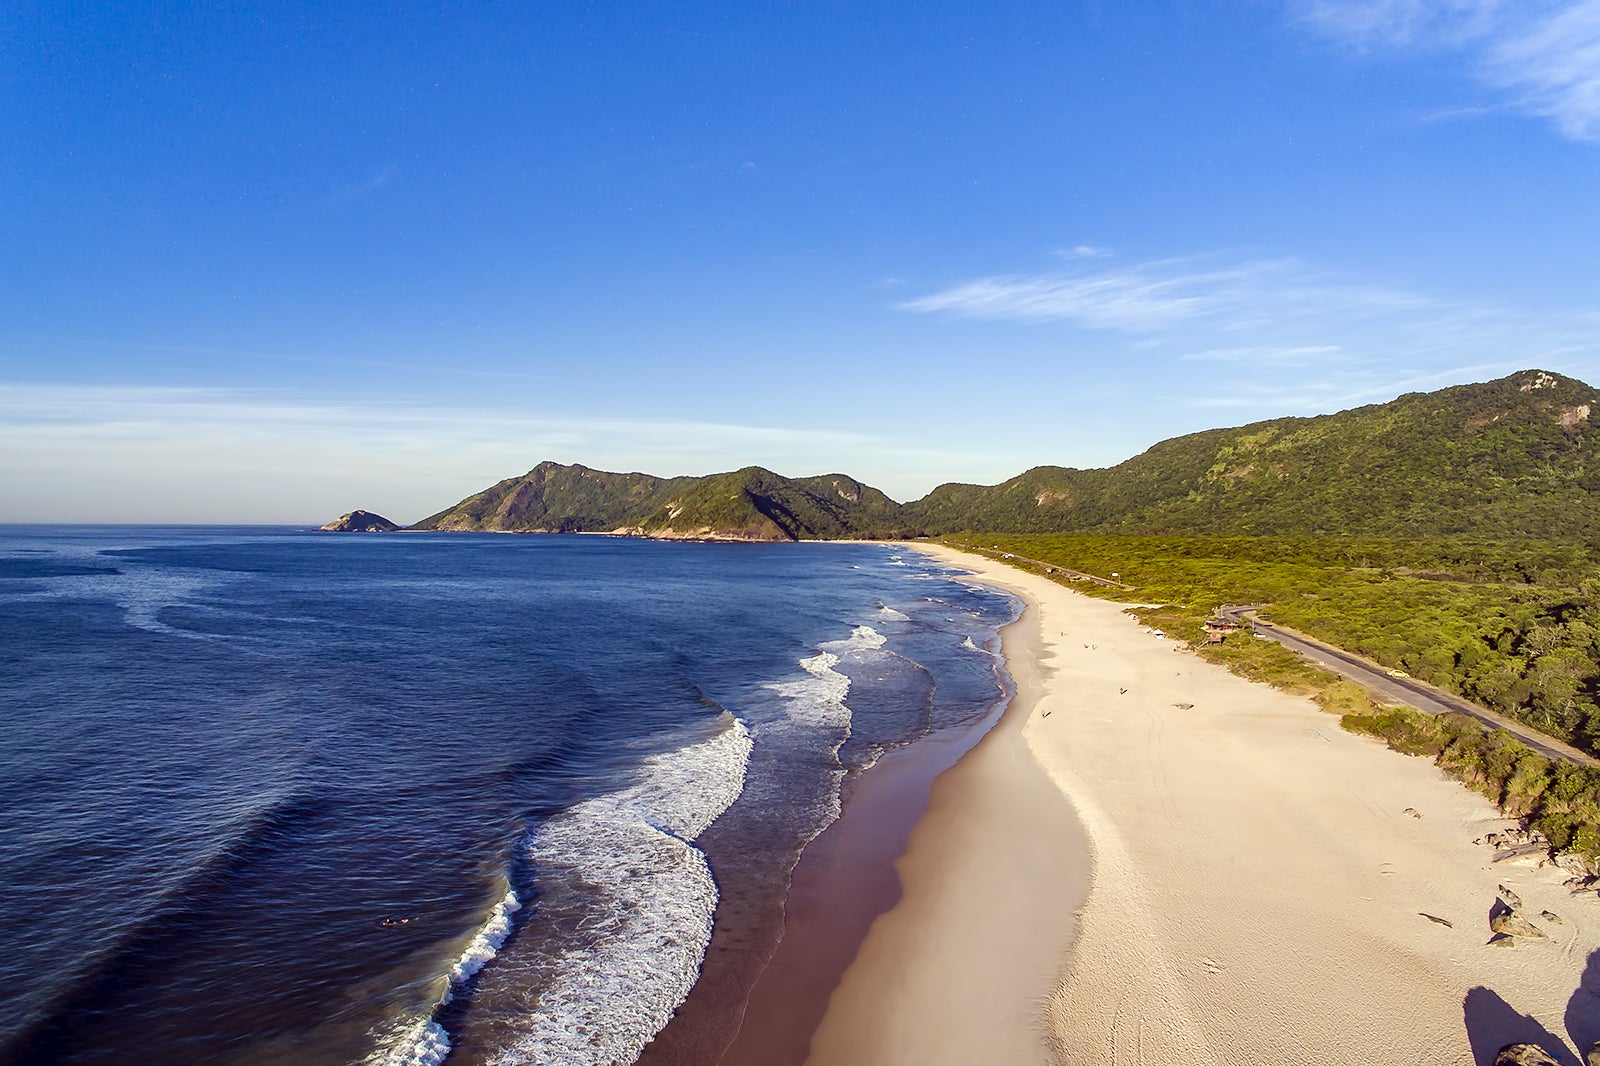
1583	1009
1492	1024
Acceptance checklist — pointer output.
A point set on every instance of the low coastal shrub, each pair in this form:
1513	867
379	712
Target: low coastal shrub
1344	697
1559	799
1407	731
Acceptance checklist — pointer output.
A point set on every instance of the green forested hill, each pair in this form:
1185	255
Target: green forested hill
757	504
748	504
552	498
1515	457
1519	456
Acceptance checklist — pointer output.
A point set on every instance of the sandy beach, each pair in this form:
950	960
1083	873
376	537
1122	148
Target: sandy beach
1150	860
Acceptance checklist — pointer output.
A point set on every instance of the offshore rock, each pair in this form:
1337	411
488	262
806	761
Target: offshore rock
360	522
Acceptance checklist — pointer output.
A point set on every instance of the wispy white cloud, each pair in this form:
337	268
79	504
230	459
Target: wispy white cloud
1293	355
1542	55
1136	299
1385	23
1160	295
1554	64
363	188
1339	389
1270	337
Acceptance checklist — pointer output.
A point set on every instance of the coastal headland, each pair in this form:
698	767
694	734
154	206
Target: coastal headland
1262	887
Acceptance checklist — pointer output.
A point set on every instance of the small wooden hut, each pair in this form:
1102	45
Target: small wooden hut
1217	629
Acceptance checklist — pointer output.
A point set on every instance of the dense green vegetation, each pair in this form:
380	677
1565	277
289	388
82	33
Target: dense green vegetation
1512	626
1516	457
757	504
748	504
1532	653
553	498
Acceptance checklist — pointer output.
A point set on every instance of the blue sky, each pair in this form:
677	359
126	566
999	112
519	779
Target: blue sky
269	263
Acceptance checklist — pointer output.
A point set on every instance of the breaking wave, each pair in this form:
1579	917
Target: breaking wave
649	906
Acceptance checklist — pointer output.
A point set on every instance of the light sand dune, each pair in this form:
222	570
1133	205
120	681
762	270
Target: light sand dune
1258	888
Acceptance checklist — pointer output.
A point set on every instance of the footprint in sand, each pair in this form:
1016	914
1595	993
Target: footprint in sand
1212	966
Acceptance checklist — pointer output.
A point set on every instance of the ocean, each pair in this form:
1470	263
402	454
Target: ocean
273	796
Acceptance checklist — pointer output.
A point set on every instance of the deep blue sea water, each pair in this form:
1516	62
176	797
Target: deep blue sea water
271	796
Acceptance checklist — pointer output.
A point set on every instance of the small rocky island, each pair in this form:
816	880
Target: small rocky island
360	522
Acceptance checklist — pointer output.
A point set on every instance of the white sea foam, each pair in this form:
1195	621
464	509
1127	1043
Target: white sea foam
655	897
485	945
648	896
820	698
424	1041
889	614
426	1044
861	638
817	705
966	642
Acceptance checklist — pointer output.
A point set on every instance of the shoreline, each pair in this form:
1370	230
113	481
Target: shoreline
961	970
758	1005
1264	887
846	880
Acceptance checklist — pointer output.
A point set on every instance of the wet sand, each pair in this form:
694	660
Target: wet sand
962	969
845	881
769	974
757	1003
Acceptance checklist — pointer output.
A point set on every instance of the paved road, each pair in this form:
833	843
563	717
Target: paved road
1051	568
1407	690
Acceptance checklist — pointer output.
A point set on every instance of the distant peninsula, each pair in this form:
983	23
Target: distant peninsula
1515	457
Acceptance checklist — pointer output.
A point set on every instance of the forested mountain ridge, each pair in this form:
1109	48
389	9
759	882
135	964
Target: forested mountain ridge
1514	457
552	498
1519	456
756	504
748	504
